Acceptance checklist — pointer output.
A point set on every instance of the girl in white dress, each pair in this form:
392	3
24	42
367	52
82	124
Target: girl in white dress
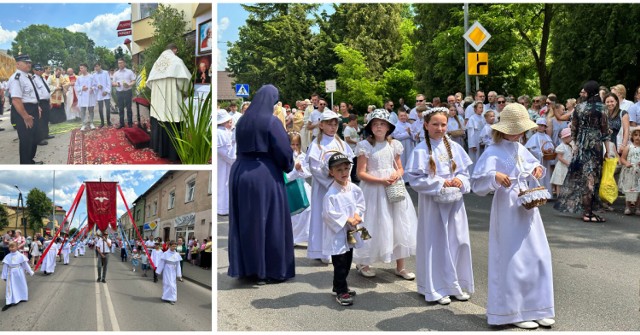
320	150
169	267
443	255
520	277
300	221
14	265
539	142
391	225
565	155
630	174
226	157
474	126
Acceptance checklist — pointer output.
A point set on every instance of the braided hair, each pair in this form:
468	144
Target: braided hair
432	162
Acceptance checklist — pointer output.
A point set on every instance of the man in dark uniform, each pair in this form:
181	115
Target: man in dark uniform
44	93
25	112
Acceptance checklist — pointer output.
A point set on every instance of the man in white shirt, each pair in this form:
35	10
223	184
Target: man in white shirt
492	105
314	118
103	249
420	101
123	80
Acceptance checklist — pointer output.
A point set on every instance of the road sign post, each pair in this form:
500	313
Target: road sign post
330	87
477	63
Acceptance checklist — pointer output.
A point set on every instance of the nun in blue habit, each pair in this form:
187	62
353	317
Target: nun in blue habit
260	231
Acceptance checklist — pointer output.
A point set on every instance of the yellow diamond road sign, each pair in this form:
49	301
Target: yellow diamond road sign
477	36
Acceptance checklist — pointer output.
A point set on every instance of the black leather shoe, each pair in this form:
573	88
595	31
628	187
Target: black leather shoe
1	129
43	143
49	137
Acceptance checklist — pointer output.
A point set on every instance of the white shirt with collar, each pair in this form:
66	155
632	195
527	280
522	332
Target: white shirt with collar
40	85
103	245
21	87
124	76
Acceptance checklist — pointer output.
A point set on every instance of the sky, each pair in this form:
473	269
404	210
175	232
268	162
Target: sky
133	183
231	16
98	21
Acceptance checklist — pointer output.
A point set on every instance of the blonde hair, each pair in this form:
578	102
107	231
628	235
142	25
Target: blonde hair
497	136
294	136
335	136
432	162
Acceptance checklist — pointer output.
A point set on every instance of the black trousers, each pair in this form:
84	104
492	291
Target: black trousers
124	100
104	105
44	120
354	171
341	267
29	137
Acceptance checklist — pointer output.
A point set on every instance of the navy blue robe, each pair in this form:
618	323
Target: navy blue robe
260	231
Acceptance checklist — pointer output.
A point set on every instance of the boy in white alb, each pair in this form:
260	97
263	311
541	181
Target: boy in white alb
169	266
156	255
342	209
485	133
14	265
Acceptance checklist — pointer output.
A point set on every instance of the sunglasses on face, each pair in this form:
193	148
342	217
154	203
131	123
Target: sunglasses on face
536	100
419	100
501	102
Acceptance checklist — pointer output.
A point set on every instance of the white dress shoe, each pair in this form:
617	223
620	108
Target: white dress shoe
526	325
366	271
326	260
444	300
91	126
405	274
546	322
463	297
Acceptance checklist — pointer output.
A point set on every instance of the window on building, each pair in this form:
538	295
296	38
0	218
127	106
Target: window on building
191	190
172	199
146	9
148	210
154	208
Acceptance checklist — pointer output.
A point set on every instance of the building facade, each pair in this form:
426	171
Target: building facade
17	221
178	205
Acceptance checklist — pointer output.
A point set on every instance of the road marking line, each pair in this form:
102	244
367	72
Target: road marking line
112	314
100	320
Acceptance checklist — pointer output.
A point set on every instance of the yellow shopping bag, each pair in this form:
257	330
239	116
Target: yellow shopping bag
608	187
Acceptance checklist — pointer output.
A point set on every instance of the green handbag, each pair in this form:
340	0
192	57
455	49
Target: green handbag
296	195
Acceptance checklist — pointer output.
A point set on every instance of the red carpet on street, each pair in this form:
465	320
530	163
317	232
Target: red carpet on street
108	146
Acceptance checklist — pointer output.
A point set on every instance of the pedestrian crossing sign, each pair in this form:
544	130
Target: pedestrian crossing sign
242	90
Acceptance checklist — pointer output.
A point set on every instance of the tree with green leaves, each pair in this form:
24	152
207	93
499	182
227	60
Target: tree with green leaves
38	206
169	26
4	216
105	57
275	47
595	41
355	83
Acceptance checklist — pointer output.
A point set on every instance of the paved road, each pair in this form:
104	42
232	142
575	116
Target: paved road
70	299
596	278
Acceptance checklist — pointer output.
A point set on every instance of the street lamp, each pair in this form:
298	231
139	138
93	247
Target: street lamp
21	201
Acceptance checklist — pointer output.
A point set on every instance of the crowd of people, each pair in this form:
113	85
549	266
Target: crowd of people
505	146
166	258
45	96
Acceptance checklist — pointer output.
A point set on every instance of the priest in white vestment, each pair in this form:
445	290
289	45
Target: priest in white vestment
168	79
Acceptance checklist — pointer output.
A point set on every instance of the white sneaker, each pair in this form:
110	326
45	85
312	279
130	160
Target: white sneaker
444	300
83	128
326	260
92	126
526	325
366	271
405	274
463	297
546	322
